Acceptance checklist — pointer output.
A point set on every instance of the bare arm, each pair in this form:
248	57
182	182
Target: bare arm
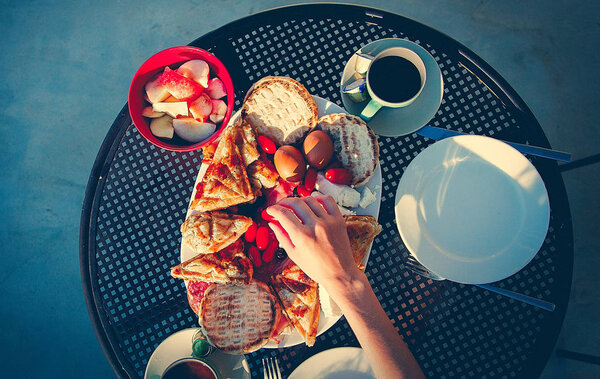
313	233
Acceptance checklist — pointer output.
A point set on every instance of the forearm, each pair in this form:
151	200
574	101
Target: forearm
386	351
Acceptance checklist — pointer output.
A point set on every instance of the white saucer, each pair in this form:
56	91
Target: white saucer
338	363
393	122
472	209
179	345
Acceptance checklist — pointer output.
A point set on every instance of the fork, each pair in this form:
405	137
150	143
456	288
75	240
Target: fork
415	266
271	368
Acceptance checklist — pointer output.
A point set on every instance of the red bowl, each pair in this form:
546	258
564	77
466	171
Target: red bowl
155	64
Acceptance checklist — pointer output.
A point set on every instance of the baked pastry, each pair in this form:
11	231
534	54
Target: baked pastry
209	232
229	265
239	319
280	108
355	145
300	301
362	230
225	182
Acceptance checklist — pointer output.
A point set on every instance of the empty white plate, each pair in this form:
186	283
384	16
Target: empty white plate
472	209
338	363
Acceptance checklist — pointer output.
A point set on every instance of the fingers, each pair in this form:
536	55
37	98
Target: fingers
300	208
282	237
315	206
329	204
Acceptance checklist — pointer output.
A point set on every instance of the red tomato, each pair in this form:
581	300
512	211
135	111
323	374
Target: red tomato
266	144
310	179
265	216
262	237
338	175
250	234
254	255
302	191
270	252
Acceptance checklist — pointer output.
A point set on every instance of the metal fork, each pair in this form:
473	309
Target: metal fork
415	266
271	368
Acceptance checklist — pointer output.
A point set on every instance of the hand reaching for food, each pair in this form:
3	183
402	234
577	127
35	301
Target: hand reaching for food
313	233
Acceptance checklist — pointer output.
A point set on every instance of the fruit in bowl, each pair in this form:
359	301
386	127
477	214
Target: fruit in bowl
181	98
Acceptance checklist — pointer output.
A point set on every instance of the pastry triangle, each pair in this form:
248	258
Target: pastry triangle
299	298
226	181
229	265
362	230
209	232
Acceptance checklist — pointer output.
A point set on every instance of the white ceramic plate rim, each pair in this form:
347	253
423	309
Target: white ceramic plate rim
374	184
344	359
491	266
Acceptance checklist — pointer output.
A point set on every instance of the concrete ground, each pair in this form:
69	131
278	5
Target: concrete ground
66	69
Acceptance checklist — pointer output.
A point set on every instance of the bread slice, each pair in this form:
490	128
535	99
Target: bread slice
229	265
300	301
362	230
239	319
209	232
280	108
354	143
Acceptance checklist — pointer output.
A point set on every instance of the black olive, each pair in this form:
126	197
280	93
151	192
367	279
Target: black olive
280	254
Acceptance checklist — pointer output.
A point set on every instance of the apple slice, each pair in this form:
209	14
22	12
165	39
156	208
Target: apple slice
155	90
201	108
180	86
193	130
171	99
172	109
216	89
219	108
162	127
197	70
150	113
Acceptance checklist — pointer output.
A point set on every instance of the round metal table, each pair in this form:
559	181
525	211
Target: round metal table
137	197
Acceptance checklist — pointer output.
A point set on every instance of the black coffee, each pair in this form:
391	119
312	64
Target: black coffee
394	79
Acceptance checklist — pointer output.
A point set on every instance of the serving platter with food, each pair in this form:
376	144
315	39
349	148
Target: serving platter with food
283	142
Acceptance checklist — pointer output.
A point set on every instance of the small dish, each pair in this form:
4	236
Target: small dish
472	209
179	345
392	122
174	56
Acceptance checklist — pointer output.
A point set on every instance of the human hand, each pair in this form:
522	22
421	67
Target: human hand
313	233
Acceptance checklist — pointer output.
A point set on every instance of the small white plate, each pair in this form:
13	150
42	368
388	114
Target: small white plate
338	363
325	107
179	345
472	209
393	122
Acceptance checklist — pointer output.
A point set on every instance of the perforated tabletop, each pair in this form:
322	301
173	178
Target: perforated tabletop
138	194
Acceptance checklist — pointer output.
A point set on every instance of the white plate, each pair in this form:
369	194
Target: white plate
338	363
399	121
179	345
472	209
325	107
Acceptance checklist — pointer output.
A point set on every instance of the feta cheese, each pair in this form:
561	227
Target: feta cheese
343	195
367	198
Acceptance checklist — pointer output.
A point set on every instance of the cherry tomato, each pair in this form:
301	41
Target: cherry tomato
338	175
265	216
310	179
254	255
262	237
266	144
302	191
250	234
268	254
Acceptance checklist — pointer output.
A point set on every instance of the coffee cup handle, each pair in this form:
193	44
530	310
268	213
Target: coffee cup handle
370	110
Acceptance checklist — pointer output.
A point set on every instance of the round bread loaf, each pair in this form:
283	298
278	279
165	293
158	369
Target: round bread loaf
280	108
355	145
239	318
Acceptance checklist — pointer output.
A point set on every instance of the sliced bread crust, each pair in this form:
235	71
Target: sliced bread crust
280	108
355	145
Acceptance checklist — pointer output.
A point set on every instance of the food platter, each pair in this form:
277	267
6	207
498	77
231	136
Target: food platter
325	107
